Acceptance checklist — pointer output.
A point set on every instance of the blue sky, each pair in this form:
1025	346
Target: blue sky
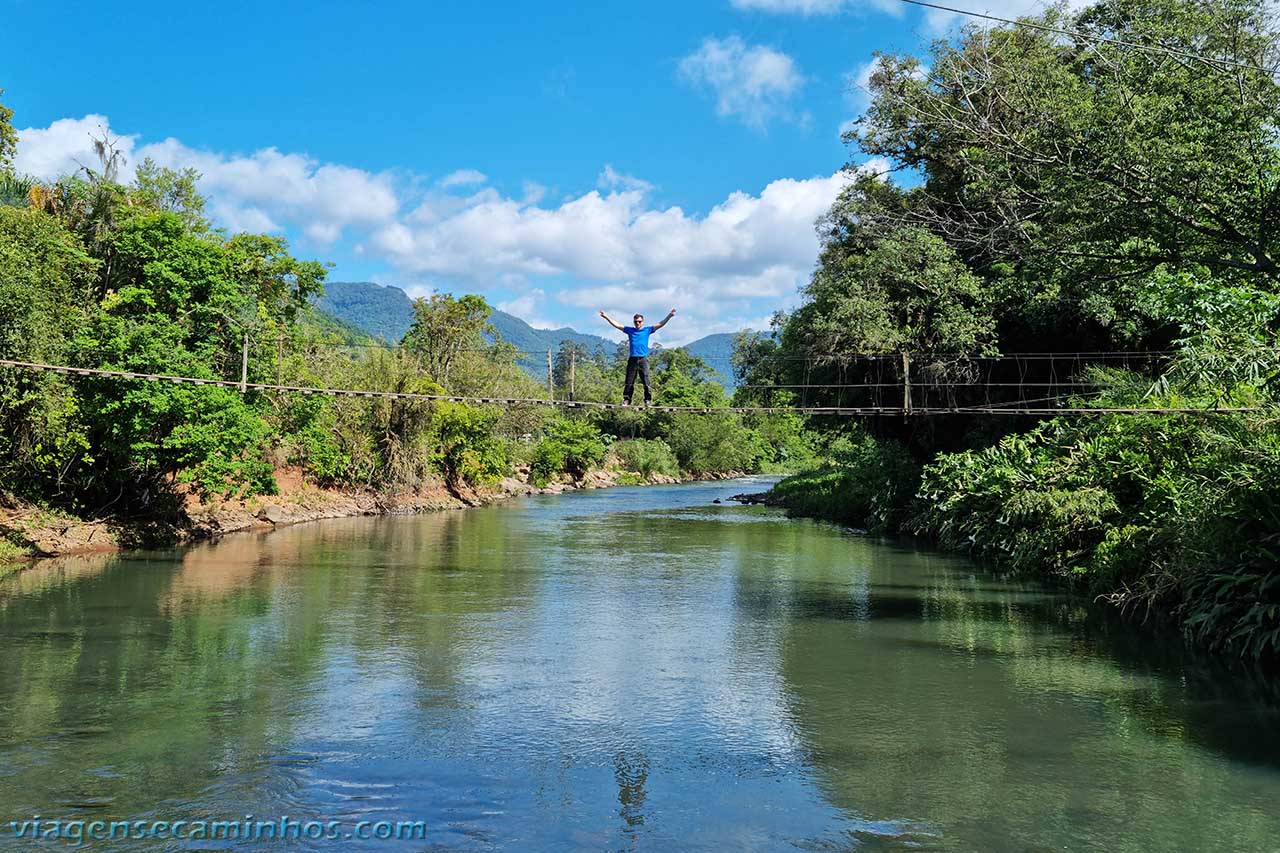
559	159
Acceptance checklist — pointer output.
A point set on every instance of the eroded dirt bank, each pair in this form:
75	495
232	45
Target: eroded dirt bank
28	532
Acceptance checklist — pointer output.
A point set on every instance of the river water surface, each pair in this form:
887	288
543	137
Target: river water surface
633	668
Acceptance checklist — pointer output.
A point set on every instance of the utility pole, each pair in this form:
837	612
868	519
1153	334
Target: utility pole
906	384
573	365
551	382
279	362
244	363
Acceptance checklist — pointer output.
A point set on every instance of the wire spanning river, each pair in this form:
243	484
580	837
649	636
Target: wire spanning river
624	669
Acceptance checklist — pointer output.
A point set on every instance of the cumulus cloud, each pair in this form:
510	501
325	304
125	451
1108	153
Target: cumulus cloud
719	267
254	192
611	178
463	177
65	146
753	83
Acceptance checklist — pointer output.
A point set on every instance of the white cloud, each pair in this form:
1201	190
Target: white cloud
751	82
254	192
66	145
718	268
463	177
526	307
611	178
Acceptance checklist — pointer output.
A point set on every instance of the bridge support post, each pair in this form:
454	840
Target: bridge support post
244	363
906	384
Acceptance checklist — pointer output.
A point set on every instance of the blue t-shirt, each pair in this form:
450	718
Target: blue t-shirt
639	340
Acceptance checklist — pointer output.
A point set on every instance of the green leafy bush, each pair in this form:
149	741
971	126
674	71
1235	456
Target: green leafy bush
1155	510
714	442
867	483
468	452
570	447
321	452
647	457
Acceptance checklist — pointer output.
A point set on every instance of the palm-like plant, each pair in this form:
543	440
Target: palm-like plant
15	191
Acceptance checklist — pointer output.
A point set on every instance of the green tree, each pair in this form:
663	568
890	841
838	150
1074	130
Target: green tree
8	136
172	190
905	291
444	328
45	278
468	452
1065	167
569	446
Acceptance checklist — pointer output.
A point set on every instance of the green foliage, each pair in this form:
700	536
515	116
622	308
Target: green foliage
1165	511
864	483
8	136
44	284
444	329
174	191
15	191
570	447
1077	164
789	444
646	457
467	451
216	443
714	443
318	441
906	290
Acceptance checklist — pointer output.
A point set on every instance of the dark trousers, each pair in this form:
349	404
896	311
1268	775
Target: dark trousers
637	364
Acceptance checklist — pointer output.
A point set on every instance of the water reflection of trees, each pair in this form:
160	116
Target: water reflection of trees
141	675
1002	718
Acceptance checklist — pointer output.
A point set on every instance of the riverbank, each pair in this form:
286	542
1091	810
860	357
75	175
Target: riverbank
1152	529
29	532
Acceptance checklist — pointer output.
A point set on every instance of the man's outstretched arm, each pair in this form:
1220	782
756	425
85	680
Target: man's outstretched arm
665	319
611	323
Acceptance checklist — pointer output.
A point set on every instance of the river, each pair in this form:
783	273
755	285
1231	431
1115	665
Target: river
631	668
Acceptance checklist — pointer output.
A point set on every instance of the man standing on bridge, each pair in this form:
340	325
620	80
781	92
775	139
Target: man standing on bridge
638	359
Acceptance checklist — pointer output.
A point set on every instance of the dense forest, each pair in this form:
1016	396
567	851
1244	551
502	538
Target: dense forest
1054	193
132	276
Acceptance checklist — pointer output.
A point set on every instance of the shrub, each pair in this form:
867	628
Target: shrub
1142	509
715	442
570	447
467	450
647	457
867	483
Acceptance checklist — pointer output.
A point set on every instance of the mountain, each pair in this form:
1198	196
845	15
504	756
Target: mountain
525	337
386	312
716	351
